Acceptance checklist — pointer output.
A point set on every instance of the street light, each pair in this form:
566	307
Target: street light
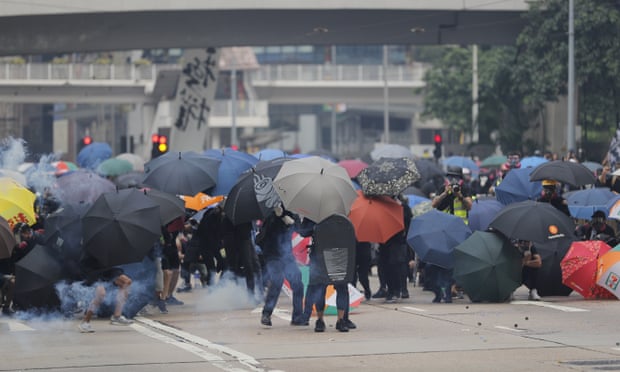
570	141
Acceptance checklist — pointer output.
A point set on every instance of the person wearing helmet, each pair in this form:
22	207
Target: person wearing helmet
550	195
597	229
454	196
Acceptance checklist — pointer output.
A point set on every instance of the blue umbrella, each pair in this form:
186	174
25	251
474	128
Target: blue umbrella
433	236
90	156
482	213
233	163
463	162
532	161
517	187
269	154
583	203
416	199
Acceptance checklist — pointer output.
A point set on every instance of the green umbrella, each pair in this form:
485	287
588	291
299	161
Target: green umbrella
487	266
114	167
494	161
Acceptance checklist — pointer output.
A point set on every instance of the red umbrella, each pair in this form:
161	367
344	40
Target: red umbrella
579	268
300	248
376	219
353	166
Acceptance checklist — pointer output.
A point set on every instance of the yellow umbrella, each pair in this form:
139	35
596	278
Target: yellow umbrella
16	202
200	201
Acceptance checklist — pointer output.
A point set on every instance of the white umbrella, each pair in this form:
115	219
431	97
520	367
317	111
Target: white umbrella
315	188
137	162
390	150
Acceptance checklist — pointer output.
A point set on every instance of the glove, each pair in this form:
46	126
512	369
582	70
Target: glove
288	220
278	210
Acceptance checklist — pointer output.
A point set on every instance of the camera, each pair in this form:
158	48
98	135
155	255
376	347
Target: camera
455	187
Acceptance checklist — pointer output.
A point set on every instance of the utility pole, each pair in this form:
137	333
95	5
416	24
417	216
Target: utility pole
570	140
233	103
386	98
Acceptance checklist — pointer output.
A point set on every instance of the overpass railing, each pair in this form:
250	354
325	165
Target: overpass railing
319	73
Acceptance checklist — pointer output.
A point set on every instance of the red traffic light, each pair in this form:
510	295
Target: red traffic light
87	140
155	138
162	139
437	138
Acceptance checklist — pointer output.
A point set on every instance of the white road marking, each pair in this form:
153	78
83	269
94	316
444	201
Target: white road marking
242	358
16	326
509	329
568	309
280	313
413	308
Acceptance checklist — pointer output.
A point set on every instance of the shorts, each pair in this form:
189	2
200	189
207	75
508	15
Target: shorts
170	259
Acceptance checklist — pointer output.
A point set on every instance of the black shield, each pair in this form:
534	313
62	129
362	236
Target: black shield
334	240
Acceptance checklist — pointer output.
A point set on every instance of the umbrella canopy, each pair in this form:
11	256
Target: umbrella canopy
593	166
121	227
549	280
127	180
579	268
388	176
413	200
434	235
137	162
482	212
91	155
82	186
7	239
353	166
315	188
532	161
390	150
325	154
269	154
35	276
421	208
376	219
114	167
182	173
534	221
15	175
463	162
487	266
253	197
16	202
233	163
428	169
494	161
517	187
171	206
200	201
608	272
63	230
569	172
614	209
583	203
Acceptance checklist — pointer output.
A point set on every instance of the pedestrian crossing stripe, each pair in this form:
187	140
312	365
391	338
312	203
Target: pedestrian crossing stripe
16	326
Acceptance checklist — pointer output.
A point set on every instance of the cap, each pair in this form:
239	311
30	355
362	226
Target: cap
453	170
599	214
549	182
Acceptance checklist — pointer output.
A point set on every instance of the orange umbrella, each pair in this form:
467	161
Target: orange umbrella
376	219
200	201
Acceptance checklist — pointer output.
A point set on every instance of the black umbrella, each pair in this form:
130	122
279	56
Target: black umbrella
428	169
171	206
35	276
7	239
131	179
569	172
388	176
63	230
182	173
121	227
549	281
253	196
531	220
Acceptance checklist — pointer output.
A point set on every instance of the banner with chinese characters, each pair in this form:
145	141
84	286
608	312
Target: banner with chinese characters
195	95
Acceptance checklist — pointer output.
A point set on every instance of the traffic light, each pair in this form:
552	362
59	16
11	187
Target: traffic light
438	143
85	141
160	145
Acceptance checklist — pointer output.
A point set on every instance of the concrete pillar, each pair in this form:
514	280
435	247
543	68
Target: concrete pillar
308	132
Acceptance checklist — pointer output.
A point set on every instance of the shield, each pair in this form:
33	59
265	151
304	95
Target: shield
121	227
517	187
494	161
315	188
16	202
136	161
434	235
91	155
376	219
82	186
579	268
487	266
549	281
388	176
182	173
535	221
390	150
583	203
35	276
482	212
569	172
7	239
171	206
608	273
114	167
233	164
353	166
334	244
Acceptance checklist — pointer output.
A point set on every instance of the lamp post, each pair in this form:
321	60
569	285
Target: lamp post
386	98
233	103
570	140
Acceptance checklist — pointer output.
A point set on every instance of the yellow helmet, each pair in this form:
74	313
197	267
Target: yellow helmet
549	182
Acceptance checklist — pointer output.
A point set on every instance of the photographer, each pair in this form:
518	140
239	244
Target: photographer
455	196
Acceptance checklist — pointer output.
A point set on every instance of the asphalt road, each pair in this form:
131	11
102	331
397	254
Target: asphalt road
218	330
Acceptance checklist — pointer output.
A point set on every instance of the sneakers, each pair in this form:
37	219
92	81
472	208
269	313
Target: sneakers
534	295
319	326
187	288
350	324
341	325
381	293
120	320
404	294
161	305
299	322
265	320
85	327
390	299
173	301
